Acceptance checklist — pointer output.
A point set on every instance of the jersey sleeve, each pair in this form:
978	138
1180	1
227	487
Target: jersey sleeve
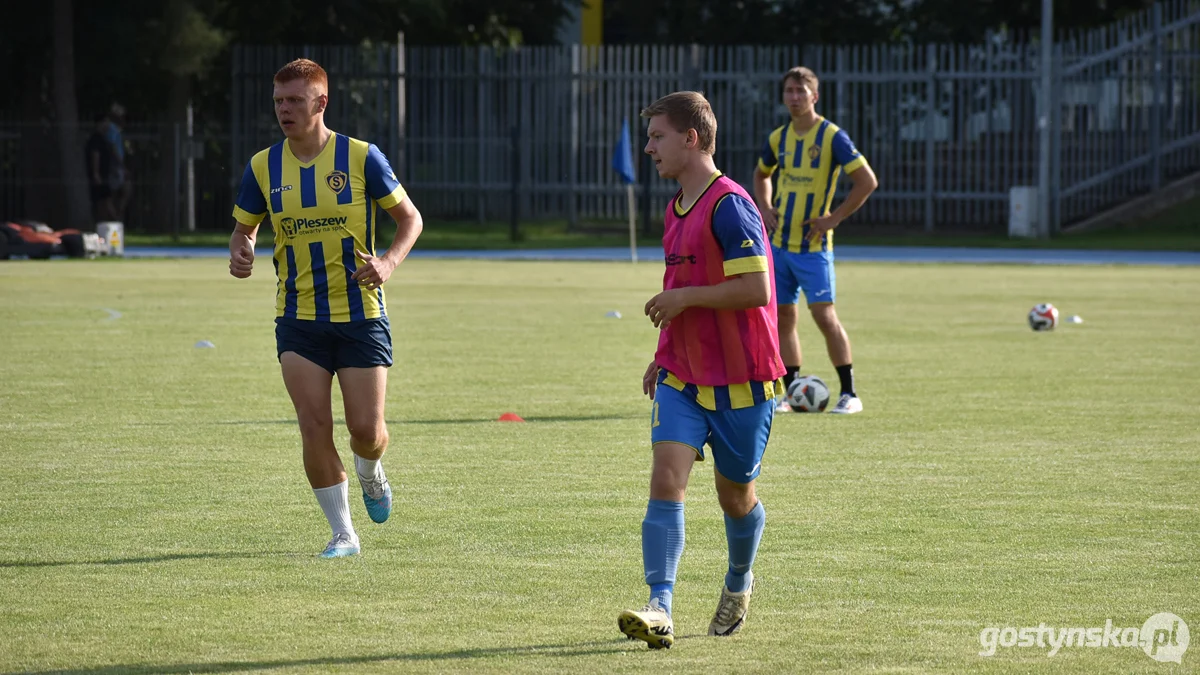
382	185
738	228
251	206
767	161
845	154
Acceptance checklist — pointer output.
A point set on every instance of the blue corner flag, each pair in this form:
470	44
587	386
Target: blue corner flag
622	160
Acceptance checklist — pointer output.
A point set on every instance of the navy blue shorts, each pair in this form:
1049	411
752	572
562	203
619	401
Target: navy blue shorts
353	344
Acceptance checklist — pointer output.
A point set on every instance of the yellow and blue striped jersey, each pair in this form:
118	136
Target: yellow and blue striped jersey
724	397
806	170
322	212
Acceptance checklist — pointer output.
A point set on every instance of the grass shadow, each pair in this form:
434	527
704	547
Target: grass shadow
134	561
545	650
536	418
469	420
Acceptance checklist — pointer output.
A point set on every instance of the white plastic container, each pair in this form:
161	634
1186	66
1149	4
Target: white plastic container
113	234
1022	212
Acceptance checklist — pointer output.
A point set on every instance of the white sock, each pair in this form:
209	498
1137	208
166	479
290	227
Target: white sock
370	469
336	505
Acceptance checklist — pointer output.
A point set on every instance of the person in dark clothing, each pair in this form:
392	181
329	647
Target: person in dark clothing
98	163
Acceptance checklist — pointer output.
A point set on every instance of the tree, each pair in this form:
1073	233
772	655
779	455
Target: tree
66	116
778	22
763	22
64	58
187	46
428	22
957	21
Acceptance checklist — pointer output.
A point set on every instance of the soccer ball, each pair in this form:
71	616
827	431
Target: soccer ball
808	393
1043	317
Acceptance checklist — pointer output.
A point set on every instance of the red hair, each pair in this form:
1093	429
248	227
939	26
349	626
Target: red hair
303	69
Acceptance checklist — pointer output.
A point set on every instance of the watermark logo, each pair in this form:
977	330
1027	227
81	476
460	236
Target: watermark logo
1164	637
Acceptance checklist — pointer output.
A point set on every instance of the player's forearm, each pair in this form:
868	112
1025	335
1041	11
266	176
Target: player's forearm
242	234
744	291
864	184
853	201
762	191
408	228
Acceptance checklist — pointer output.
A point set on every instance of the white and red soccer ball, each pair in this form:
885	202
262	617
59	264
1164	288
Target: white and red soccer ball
1043	317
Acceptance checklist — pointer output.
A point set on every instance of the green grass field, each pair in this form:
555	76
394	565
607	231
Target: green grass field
155	516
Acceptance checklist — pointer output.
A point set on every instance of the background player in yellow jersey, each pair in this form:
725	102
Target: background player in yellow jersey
321	189
806	156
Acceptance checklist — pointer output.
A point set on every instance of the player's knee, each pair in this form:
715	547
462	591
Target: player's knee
667	484
370	438
737	500
826	318
316	427
788	316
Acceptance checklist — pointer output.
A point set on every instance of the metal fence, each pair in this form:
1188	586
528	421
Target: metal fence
1127	106
32	184
949	129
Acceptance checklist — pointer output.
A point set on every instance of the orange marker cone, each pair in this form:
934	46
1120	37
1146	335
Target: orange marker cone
510	417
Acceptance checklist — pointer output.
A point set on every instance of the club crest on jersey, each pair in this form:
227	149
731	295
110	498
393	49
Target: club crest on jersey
337	181
814	153
288	225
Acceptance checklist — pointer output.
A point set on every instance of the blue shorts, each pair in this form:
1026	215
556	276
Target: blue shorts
354	344
738	438
812	272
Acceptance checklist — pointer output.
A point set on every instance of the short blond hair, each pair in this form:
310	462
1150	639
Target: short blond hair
688	110
802	75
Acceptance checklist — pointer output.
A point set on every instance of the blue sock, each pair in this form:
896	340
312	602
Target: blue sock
743	535
662	546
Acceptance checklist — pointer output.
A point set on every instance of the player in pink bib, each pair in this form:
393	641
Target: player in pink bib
713	240
715	376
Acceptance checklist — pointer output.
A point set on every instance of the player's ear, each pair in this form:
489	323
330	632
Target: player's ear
322	102
693	138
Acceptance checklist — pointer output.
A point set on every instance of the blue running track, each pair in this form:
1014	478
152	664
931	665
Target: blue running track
898	254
